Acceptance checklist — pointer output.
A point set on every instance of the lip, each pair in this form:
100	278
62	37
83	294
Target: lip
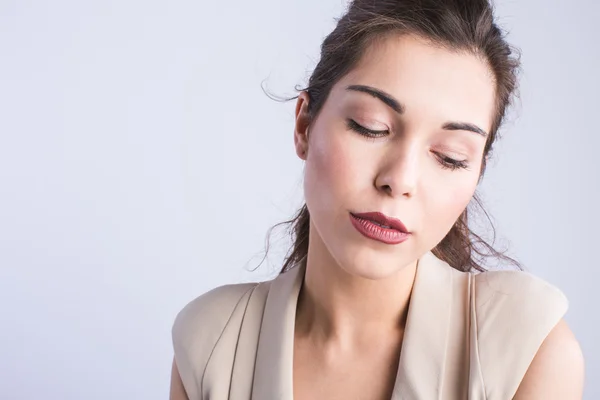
383	219
369	229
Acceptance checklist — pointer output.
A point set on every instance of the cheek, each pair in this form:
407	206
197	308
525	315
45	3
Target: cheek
329	171
446	204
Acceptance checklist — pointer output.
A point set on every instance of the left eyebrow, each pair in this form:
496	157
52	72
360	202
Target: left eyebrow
464	126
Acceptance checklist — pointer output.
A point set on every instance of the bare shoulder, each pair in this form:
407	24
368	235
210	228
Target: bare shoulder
177	391
557	370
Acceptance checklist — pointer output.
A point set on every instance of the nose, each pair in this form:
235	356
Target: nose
398	174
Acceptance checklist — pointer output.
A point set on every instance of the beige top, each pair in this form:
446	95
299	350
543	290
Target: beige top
467	336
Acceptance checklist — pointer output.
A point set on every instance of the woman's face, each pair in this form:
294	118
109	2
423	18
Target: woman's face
420	165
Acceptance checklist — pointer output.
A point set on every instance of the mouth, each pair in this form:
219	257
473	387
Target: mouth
377	226
382	220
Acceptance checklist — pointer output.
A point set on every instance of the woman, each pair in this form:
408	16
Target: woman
381	297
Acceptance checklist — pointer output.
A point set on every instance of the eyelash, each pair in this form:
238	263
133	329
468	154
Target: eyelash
450	163
445	161
371	134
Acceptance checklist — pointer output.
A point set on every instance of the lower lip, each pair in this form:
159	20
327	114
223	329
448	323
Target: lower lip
376	232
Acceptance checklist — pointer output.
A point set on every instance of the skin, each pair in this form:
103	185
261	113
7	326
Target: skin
353	304
177	391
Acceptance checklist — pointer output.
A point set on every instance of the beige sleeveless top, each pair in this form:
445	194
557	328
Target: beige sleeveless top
467	336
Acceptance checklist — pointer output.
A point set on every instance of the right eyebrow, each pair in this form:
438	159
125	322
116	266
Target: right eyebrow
386	98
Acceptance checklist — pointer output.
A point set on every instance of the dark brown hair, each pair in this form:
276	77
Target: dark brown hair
458	25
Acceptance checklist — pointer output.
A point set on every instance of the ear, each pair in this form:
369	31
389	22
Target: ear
301	126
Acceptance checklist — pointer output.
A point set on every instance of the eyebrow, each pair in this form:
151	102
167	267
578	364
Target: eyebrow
464	126
381	95
399	108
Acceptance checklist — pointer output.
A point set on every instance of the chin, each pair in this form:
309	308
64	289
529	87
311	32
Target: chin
374	267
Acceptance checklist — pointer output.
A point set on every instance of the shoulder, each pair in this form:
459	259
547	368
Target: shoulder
524	303
212	303
557	370
514	283
208	313
198	327
517	294
513	312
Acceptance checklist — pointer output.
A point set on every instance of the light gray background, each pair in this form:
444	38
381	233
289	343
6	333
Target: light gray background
141	165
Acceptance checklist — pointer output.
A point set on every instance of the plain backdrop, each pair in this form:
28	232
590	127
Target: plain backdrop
141	164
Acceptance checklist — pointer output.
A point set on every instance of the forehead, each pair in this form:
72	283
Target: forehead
431	81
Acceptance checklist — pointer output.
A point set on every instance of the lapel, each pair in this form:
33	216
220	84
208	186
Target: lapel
423	355
273	371
421	365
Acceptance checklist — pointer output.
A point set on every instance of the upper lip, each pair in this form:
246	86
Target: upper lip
383	219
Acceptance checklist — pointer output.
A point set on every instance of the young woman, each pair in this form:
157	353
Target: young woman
382	295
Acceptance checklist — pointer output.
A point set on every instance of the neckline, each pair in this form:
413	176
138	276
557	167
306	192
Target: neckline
420	366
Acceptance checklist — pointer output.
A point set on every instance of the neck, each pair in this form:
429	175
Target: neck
335	306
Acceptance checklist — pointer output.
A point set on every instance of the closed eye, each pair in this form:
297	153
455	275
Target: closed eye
445	161
365	131
451	163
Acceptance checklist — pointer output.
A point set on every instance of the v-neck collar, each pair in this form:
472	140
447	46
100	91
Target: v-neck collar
420	368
